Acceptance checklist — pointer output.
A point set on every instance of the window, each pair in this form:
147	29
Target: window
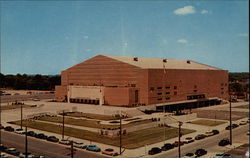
221	84
167	92
159	99
175	87
133	85
152	88
168	87
159	93
194	90
167	98
195	86
175	93
225	84
222	88
159	87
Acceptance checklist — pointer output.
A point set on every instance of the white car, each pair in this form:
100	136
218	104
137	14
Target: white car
64	141
23	155
79	145
188	140
19	131
243	123
209	133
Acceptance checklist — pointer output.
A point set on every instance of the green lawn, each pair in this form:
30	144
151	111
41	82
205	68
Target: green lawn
130	141
206	122
92	116
88	123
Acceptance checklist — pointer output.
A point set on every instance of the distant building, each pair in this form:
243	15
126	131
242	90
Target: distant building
133	81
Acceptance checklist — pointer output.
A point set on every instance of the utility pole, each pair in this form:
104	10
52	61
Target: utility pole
21	116
120	134
63	126
179	141
26	143
0	122
72	149
230	119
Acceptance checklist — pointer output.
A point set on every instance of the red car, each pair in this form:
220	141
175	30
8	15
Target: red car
1	126
176	143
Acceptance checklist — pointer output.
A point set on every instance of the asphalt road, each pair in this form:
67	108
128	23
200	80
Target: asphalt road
42	147
206	143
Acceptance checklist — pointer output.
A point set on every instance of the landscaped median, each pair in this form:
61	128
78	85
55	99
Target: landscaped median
206	122
130	140
88	123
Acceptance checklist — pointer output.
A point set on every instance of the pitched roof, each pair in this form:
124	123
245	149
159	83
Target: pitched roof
157	63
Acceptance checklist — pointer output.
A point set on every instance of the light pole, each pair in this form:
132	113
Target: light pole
21	116
230	119
179	139
26	142
120	134
63	126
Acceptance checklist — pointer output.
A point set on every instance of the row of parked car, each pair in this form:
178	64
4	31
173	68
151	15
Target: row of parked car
168	146
16	152
80	145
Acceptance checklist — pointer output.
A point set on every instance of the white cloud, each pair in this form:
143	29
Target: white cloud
182	41
204	11
185	10
243	34
85	37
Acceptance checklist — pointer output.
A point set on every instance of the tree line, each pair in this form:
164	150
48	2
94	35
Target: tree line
48	82
30	82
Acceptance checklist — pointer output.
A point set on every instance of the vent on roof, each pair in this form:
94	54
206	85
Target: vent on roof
135	58
188	61
164	60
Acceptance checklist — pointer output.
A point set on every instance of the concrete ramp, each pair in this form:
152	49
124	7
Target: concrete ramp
133	112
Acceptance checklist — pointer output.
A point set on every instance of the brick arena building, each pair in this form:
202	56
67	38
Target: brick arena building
133	81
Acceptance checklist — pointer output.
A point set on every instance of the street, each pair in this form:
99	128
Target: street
208	143
42	147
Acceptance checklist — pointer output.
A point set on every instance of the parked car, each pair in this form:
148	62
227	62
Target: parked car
233	126
200	152
167	146
93	147
176	143
12	151
19	131
188	140
1	126
52	139
29	155
2	147
9	128
209	133
248	132
110	152
215	131
31	133
200	136
224	142
64	141
222	156
3	155
243	123
41	136
154	151
190	155
79	145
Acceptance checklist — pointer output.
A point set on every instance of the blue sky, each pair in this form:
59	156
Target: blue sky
48	36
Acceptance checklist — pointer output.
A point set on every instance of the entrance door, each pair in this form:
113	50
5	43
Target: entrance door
136	96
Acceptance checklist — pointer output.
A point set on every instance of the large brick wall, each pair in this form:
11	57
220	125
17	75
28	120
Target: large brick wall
150	83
